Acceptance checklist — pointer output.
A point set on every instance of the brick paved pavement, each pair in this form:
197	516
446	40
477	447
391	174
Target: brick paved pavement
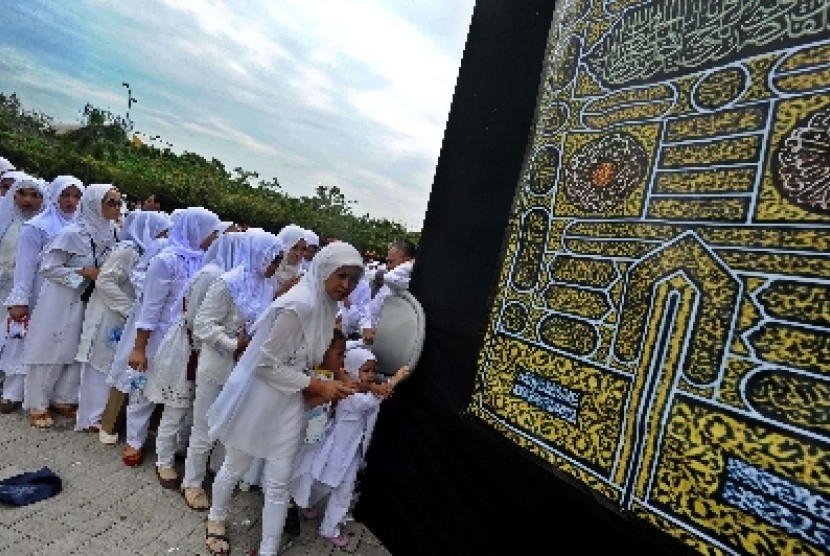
109	509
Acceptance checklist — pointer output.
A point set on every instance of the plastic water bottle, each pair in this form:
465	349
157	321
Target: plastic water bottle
138	381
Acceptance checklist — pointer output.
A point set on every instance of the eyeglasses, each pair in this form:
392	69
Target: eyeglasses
112	202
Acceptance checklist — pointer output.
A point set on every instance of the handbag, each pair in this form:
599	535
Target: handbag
85	295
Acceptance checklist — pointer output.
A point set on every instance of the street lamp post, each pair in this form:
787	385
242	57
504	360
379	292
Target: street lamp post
130	100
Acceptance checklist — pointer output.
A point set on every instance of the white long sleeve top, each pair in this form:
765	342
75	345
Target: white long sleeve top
215	326
27	280
394	280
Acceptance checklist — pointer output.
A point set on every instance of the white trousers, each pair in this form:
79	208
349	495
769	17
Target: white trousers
340	501
199	449
276	474
56	383
13	388
139	411
92	399
173	419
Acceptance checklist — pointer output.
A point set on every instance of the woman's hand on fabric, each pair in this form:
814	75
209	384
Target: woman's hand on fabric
138	360
19	313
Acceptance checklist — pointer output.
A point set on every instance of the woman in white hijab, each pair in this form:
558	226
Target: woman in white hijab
106	312
168	381
22	205
193	230
69	264
148	241
226	315
292	239
261	411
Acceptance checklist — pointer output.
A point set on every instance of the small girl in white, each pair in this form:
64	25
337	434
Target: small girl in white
332	468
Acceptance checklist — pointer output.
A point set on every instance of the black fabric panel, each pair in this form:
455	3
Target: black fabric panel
438	481
441	483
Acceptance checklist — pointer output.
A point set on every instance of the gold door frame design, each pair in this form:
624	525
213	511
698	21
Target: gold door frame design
660	335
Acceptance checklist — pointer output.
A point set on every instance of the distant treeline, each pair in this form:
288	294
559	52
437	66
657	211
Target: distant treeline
104	150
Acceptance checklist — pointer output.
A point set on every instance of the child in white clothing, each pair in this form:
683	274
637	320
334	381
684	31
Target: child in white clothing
332	467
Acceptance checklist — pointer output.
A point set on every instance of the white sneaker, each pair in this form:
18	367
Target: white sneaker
106	438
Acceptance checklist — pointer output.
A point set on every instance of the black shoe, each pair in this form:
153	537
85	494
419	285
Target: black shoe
292	521
8	406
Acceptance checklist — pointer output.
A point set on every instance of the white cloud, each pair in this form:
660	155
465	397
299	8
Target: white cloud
354	94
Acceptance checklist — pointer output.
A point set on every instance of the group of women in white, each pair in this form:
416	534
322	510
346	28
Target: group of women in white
222	329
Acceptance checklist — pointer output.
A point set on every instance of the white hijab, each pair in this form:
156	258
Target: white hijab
6	166
288	238
309	300
250	290
52	219
190	228
355	358
141	228
311	238
222	251
9	212
91	218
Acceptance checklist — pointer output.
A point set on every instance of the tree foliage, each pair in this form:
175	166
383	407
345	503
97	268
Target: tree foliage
102	150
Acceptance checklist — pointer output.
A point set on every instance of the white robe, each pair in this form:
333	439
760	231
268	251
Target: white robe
346	439
262	412
108	308
55	325
215	326
166	376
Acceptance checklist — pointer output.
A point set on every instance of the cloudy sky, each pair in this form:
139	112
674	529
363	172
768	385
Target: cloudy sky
353	94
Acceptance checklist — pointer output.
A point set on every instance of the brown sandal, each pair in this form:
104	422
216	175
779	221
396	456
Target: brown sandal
41	419
65	409
222	550
195	498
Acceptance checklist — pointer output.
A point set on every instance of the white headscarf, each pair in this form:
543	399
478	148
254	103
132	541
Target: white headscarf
223	226
288	238
246	282
141	228
355	358
51	219
290	235
222	251
190	228
6	166
8	208
309	300
91	218
311	238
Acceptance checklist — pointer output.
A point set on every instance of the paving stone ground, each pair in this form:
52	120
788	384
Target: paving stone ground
109	509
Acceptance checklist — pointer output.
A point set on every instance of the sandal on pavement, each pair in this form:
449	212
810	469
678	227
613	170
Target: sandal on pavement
310	513
106	438
168	478
65	409
41	419
9	406
340	540
131	456
195	498
214	539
